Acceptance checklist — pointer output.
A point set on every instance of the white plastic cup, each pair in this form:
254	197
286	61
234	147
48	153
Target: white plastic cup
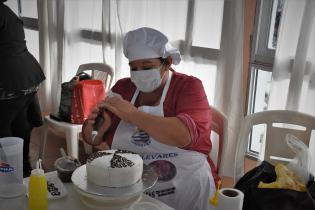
12	196
11	160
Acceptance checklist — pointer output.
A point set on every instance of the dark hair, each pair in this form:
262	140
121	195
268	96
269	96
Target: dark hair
1	1
163	60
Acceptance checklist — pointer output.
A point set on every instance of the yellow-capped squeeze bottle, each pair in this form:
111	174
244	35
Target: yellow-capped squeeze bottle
38	193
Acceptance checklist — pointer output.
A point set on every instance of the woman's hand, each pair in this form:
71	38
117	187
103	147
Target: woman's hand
120	107
89	123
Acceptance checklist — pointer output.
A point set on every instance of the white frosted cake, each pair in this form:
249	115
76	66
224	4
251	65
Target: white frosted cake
114	168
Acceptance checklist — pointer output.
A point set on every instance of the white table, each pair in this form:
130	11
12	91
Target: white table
72	202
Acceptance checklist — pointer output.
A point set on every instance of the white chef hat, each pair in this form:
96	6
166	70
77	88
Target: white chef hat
146	42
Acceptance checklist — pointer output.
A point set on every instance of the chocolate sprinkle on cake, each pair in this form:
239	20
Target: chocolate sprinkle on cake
124	151
96	155
120	162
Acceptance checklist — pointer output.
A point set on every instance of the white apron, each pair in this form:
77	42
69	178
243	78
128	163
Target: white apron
185	180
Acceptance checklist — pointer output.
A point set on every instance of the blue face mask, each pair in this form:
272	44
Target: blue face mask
147	80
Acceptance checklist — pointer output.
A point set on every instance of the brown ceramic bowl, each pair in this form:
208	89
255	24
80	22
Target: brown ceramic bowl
65	167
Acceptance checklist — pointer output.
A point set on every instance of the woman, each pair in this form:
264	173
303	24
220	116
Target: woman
162	115
19	81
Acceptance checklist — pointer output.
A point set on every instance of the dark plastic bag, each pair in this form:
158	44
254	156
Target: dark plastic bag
66	96
273	199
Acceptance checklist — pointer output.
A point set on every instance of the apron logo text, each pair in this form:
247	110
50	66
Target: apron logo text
160	193
158	156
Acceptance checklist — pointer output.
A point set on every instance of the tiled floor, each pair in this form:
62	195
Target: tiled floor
229	181
55	141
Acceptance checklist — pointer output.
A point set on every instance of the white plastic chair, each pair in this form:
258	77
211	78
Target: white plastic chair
274	147
218	137
97	71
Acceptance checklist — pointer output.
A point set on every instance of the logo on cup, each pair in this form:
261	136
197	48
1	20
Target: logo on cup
5	167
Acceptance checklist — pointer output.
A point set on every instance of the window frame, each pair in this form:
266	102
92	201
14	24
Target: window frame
28	22
208	54
261	57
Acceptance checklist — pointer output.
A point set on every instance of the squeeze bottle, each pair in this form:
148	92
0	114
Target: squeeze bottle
38	193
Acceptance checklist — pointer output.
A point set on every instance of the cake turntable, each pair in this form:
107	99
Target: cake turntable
79	179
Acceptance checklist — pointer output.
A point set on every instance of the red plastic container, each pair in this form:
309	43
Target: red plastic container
86	95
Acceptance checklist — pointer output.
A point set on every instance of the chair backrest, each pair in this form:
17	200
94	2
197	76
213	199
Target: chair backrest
99	71
278	123
218	136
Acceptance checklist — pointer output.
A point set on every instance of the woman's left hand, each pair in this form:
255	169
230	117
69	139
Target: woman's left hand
120	107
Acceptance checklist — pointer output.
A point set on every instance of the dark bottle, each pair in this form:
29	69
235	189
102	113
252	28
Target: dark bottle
98	122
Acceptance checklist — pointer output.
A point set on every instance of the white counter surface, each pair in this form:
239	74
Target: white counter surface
72	201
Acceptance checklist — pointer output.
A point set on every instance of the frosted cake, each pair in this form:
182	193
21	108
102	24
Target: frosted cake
114	168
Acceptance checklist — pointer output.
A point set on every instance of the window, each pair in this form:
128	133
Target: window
259	92
13	5
206	41
28	8
212	11
264	43
203	42
27	11
274	23
194	27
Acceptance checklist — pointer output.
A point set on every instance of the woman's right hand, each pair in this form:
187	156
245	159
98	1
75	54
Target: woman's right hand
87	127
